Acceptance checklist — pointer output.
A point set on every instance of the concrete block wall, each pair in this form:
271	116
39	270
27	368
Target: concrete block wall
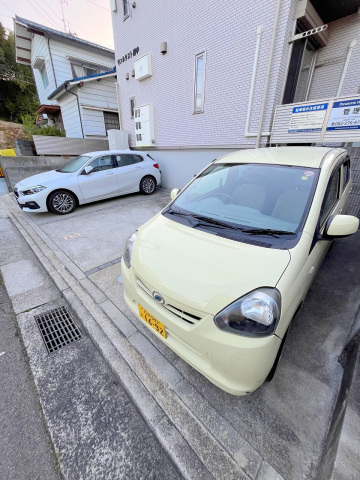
227	31
18	168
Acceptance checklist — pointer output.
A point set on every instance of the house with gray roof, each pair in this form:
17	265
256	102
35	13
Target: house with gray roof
75	79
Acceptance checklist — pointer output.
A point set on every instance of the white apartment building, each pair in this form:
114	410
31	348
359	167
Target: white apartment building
200	79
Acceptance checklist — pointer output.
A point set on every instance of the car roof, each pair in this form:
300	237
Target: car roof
296	156
111	152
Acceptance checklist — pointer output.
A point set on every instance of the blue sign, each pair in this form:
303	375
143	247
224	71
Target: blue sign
345	115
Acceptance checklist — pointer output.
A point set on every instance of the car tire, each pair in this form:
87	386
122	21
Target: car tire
62	202
147	185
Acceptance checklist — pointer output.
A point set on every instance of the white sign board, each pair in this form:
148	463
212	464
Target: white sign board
308	118
345	115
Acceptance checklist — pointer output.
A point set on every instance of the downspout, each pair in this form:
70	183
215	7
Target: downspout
77	99
253	79
268	72
52	63
118	103
347	61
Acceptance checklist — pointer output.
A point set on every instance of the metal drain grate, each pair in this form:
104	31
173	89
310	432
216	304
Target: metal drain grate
57	328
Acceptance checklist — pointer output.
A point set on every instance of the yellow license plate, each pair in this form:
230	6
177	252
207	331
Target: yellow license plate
150	320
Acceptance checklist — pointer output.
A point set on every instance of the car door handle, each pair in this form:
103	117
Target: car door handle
110	173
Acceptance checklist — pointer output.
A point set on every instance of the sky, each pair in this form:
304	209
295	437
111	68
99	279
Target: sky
88	19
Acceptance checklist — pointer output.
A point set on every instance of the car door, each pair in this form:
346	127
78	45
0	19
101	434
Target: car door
332	204
101	182
127	172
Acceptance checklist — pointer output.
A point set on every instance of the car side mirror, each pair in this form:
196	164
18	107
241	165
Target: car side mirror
88	169
174	193
341	226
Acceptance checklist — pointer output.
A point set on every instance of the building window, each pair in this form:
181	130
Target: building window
111	120
199	82
301	69
125	8
132	107
44	76
80	69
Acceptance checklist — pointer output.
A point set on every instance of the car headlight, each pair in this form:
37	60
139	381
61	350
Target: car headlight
254	315
31	190
129	248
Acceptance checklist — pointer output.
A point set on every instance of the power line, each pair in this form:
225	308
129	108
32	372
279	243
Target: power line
2	3
100	6
47	19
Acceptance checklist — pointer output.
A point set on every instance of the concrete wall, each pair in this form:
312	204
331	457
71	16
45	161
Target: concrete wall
227	31
178	167
17	168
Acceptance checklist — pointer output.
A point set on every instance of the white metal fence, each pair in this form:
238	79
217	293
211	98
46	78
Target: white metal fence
68	146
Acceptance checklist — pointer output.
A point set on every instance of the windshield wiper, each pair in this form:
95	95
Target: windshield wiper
267	231
204	221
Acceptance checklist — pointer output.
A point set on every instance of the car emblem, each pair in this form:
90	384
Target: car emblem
158	297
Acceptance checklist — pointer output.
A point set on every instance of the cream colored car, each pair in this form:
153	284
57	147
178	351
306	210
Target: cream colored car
219	274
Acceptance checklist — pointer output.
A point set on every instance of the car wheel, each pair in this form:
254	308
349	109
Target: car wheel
62	202
147	185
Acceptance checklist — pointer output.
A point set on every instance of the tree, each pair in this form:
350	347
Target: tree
17	87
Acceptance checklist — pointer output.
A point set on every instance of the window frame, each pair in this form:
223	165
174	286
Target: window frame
118	121
125	9
44	75
132	107
323	219
201	108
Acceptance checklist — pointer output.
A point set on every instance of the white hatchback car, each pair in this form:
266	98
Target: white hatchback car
87	178
219	274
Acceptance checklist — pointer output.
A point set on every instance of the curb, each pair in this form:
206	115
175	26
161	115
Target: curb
197	453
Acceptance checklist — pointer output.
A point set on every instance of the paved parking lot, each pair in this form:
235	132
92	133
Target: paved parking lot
278	431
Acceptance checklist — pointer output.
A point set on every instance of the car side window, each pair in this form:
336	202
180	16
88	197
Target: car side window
346	173
101	163
137	158
123	160
331	196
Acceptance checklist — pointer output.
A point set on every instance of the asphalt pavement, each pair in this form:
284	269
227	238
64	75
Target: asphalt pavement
65	414
283	430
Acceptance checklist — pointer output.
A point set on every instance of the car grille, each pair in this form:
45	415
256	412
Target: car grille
186	316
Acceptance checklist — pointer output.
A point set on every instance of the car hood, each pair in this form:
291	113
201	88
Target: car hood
201	270
45	179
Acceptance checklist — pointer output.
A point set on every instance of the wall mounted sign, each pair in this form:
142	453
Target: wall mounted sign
308	118
127	56
345	115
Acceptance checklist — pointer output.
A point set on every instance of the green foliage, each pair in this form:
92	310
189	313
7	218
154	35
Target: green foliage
17	87
30	128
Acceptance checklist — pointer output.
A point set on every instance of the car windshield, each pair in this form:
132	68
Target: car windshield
74	164
252	198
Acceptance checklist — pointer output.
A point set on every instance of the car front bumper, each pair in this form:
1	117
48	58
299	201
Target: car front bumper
236	364
32	203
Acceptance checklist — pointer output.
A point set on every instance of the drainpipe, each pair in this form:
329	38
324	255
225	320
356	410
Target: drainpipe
52	63
77	99
268	72
118	103
253	79
347	61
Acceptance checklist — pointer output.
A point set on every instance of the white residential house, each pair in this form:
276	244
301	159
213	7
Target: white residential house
206	78
75	79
